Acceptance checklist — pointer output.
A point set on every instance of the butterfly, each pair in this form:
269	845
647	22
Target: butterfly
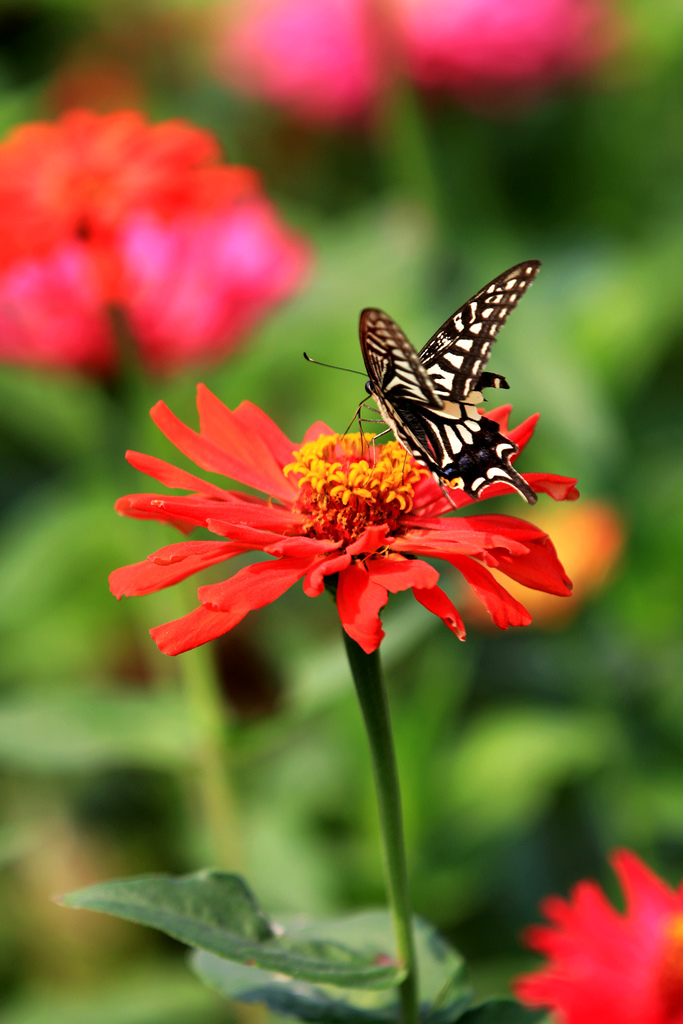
429	399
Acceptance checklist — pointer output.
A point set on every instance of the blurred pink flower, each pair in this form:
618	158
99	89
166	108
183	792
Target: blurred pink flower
52	312
483	48
109	211
328	61
193	287
316	58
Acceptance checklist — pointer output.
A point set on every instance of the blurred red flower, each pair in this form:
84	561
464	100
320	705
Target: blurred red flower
328	61
334	508
98	211
610	968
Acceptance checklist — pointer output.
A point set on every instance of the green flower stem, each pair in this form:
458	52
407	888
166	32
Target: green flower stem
208	716
367	677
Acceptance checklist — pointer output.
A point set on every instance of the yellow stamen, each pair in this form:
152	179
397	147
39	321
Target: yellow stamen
344	487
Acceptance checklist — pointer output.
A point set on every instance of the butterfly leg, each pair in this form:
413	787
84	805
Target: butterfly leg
356	416
445	491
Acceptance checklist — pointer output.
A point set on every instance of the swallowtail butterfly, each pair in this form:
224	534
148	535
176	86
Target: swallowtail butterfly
430	399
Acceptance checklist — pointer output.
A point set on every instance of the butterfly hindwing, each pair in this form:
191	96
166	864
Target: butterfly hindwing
461	449
455	356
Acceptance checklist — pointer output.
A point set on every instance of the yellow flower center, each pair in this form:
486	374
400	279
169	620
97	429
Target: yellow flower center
671	971
345	486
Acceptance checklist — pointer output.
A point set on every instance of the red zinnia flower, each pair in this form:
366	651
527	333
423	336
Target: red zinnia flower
606	967
333	508
107	210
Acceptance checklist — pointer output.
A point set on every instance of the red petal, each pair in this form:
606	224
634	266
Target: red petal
438	547
263	539
522	434
435	601
247	434
253	587
396	573
314	583
186	508
359	602
561	488
171	476
169	565
258	424
316	430
139	506
501	606
648	897
539	568
470	534
261	516
429	499
369	541
213	458
499	415
200	626
299	547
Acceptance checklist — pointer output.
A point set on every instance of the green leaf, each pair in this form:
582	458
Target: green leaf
502	1011
443	992
215	911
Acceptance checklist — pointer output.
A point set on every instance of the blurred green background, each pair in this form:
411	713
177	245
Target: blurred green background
525	756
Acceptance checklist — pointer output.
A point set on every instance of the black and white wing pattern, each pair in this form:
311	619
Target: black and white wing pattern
430	400
393	365
456	355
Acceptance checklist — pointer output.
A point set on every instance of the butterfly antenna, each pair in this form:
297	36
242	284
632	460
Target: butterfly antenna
330	366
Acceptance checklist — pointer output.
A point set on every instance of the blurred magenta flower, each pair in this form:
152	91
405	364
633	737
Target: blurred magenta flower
316	58
480	49
606	967
328	61
334	509
102	211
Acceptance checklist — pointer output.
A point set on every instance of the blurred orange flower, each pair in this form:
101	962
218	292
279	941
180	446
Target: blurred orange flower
589	539
108	210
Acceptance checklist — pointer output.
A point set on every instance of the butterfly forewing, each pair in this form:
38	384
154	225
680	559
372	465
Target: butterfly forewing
393	365
456	355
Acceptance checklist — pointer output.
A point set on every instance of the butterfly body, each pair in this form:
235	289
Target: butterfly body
430	400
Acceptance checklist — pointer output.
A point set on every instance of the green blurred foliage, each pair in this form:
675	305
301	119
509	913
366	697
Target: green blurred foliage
525	756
